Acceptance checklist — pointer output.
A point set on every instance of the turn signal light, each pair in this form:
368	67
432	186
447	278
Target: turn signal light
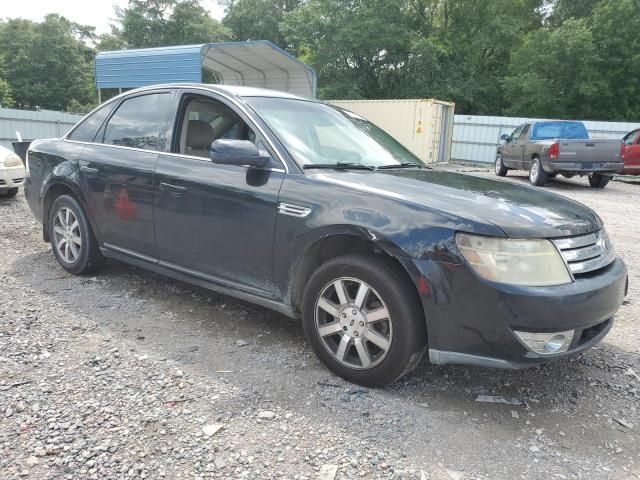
554	151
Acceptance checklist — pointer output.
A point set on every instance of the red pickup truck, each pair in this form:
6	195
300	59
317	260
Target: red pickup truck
631	153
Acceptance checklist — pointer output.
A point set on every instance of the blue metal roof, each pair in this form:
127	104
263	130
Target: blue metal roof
253	63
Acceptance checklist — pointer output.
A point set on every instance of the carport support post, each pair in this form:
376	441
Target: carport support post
99	97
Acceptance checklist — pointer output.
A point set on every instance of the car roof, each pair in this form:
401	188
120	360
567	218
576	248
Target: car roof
234	90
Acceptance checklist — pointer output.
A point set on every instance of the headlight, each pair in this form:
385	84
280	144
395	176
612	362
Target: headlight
534	262
12	160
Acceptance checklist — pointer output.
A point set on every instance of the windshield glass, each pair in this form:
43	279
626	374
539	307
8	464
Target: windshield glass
559	130
317	134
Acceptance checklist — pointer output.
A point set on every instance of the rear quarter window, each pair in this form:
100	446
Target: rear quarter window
138	122
87	129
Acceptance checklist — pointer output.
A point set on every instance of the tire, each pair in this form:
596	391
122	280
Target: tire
10	193
537	176
75	247
500	169
393	343
598	181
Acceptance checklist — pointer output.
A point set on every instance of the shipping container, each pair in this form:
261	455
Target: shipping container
424	126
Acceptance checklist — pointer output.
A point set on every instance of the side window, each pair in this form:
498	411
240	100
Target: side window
525	132
630	138
206	120
138	122
516	133
86	131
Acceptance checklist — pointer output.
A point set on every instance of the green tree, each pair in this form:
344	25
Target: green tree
156	23
555	73
48	64
357	47
6	100
258	19
616	32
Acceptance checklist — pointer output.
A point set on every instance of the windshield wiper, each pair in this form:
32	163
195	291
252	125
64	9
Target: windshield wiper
339	166
401	165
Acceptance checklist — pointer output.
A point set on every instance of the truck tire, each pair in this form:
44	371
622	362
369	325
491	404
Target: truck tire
537	176
363	318
501	170
598	181
72	240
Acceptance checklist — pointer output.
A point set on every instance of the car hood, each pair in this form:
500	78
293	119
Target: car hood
519	211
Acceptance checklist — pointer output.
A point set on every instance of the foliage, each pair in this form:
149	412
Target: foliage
547	58
258	19
47	64
156	23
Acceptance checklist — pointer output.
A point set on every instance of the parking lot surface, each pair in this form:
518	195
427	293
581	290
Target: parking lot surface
127	374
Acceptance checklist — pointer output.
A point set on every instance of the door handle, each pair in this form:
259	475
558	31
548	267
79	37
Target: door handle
175	190
89	170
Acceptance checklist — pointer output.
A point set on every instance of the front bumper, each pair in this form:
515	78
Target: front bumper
11	177
586	167
472	321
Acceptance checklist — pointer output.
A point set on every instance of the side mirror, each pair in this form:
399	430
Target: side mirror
237	152
505	137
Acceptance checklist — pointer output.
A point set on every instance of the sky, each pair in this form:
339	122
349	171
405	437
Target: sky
98	13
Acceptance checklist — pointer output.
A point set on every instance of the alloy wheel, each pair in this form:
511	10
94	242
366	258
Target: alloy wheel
535	171
353	323
498	164
67	237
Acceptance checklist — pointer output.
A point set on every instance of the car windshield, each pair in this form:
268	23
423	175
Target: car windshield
559	130
319	134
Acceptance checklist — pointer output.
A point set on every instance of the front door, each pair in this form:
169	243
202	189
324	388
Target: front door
116	172
520	147
631	153
215	221
508	155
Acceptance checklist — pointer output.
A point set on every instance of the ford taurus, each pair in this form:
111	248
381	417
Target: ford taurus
314	212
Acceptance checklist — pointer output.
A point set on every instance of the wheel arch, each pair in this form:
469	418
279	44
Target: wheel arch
54	189
332	244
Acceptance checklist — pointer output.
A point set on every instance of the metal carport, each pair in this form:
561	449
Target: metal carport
257	63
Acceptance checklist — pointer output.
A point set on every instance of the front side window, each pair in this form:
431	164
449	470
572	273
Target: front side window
206	120
86	131
138	122
525	132
630	138
516	133
315	133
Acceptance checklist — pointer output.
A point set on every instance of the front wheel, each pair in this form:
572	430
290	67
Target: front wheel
363	319
501	170
598	181
72	239
537	176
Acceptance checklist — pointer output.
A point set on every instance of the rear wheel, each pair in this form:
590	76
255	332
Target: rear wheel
363	319
501	170
72	239
537	176
598	181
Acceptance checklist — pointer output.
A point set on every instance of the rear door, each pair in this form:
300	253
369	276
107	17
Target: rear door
631	152
116	172
216	221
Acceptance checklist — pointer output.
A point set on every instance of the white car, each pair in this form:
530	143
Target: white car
11	173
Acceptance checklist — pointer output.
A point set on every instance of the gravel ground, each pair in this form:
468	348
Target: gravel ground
130	375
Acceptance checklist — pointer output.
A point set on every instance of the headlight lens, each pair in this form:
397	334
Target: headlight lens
12	160
534	263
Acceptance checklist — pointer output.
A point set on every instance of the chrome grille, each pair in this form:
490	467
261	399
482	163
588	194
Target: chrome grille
586	253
